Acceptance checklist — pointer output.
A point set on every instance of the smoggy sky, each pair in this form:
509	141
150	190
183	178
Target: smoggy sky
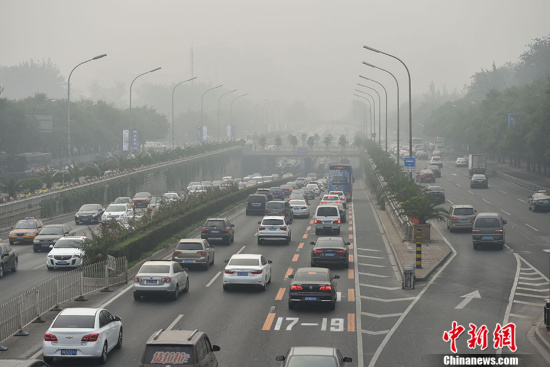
287	50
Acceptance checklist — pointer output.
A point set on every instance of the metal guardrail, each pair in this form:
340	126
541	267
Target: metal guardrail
515	180
73	285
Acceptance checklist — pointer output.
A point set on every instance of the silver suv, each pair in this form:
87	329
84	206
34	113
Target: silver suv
191	251
163	277
461	217
274	228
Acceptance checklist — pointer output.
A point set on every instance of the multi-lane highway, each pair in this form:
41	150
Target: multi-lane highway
375	321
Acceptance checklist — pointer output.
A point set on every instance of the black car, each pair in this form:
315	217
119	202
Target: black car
218	230
539	201
437	193
435	169
255	204
330	251
267	192
313	286
49	235
8	259
89	213
282	208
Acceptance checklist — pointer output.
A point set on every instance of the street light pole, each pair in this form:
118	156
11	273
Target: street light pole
69	105
397	83
366	122
131	85
202	102
386	92
373	127
231	113
370	111
219	99
379	108
173	90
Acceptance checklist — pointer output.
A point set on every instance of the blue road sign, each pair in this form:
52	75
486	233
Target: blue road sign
409	162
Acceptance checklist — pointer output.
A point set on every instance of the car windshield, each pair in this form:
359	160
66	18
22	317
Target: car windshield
88	207
435	189
122	200
463	211
74	322
155	268
478	177
327	211
273	222
487	223
171	195
169	355
26	225
142	195
307	361
68	243
215	223
189	246
51	230
116	208
297	203
244	262
275	205
330	243
311	275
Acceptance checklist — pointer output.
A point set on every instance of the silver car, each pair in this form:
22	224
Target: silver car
192	251
461	217
164	277
299	208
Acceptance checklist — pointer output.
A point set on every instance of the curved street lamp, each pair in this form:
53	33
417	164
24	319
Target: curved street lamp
219	99
386	92
202	102
173	90
397	83
370	111
379	108
364	105
373	127
131	85
69	105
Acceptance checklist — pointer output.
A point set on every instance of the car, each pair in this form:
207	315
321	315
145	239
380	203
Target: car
329	251
274	228
461	162
48	235
301	182
216	184
425	175
313	356
142	199
194	251
117	213
327	219
89	213
25	230
312	286
309	192
247	269
281	208
218	230
488	228
251	183
160	277
539	201
193	183
435	169
479	180
167	348
171	196
196	189
298	194
330	199
421	155
265	191
312	176
461	217
81	332
287	189
299	208
9	260
207	184
23	363
255	204
156	202
124	200
437	193
437	160
341	195
277	192
68	252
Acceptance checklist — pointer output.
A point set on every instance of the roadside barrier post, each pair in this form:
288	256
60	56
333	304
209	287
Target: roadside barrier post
81	298
56	307
547	314
408	276
38	319
419	249
21	332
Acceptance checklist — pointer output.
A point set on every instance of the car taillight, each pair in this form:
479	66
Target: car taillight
336	221
137	280
262	228
304	207
454	218
317	221
475	230
226	229
166	280
283	228
323	202
229	272
90	338
201	252
296	288
338	202
499	231
50	337
327	288
317	251
474	217
266	211
203	229
340	251
257	271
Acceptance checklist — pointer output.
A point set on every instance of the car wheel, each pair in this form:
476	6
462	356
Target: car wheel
34	249
176	293
269	280
291	305
338	231
264	287
49	267
233	238
332	305
14	269
137	297
186	289
534	208
48	360
119	342
501	246
313	264
1	271
225	287
316	231
103	358
11	243
344	220
212	262
259	242
207	265
475	246
288	240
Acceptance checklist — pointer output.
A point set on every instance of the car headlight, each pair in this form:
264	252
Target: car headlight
94	215
30	234
35	241
11	234
79	255
50	255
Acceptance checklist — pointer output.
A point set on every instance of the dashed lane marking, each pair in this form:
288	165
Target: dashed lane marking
350	229
533	228
374	265
213	279
471	192
351	246
295	257
527	303
350	258
350	236
505	212
487	201
368	249
373	275
351	274
505	193
370	257
269	321
305	235
288	272
351	322
171	326
301	245
351	295
280	294
523	201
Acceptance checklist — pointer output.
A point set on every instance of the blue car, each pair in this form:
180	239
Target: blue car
278	193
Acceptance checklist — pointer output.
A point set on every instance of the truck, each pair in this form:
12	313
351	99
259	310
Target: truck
340	178
477	163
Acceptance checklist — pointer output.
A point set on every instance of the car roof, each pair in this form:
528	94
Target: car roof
180	337
189	240
488	215
217	218
54	225
317	270
462	206
80	311
313	351
73	238
273	217
246	256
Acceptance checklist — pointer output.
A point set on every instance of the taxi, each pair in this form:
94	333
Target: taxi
25	230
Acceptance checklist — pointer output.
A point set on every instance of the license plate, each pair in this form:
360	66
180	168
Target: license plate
215	231
242	274
327	222
256	205
19	237
148	281
464	220
68	352
310	298
272	229
188	261
85	218
487	237
546	202
62	263
329	254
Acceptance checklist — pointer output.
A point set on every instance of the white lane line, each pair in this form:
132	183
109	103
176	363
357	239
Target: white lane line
380	287
505	193
338	296
520	316
450	202
378	266
370	257
532	289
171	326
368	249
241	250
532	295
527	303
544	284
375	332
470	192
388	300
39	266
488	202
523	201
546	250
459	185
117	296
213	279
309	324
374	275
449	179
533	228
380	316
504	211
454	174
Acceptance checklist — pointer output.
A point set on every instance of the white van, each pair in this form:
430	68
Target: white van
327	219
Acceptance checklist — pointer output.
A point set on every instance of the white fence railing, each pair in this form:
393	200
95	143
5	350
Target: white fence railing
69	286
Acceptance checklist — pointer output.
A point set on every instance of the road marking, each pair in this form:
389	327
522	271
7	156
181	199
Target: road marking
505	212
288	272
488	202
374	275
350	258
546	250
449	179
450	202
470	192
213	279
350	229
380	287
309	324
371	257
505	193
39	266
295	257
467	299
351	246
523	201
351	322
533	228
305	235
338	296
520	316
527	303
241	249
301	245
459	185
351	274
374	265
269	321
534	284
532	295
280	294
308	227
171	326
368	249
376	332
388	300
454	174
380	316
351	295
117	296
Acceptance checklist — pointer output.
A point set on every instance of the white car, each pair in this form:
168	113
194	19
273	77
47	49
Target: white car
159	278
68	252
82	333
274	228
314	187
461	162
299	208
341	195
247	269
171	196
196	190
117	213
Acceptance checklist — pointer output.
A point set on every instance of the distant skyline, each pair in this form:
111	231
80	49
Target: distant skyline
309	51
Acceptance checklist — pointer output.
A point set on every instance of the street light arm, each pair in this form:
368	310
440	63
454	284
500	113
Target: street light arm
173	91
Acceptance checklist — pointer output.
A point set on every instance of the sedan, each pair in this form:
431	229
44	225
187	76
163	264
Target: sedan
8	259
274	228
49	235
89	213
315	286
539	201
68	252
142	199
247	269
479	180
82	333
313	356
437	193
299	208
161	277
461	162
330	251
437	160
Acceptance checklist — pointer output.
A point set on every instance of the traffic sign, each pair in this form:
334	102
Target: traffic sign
409	162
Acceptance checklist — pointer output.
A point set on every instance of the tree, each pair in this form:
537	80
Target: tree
263	141
75	172
328	141
304	138
31	184
343	141
11	185
47	176
278	141
424	208
293	140
310	142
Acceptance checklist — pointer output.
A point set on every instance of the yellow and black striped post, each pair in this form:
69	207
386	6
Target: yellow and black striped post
419	249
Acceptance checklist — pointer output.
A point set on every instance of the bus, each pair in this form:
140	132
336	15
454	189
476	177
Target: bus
29	164
340	178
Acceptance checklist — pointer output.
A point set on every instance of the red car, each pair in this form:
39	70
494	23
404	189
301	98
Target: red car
142	199
425	175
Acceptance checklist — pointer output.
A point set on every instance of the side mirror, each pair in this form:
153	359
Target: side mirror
117	318
259	222
269	262
215	348
504	221
51	246
336	276
312	243
347	360
232	225
348	243
226	261
291	276
280	358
